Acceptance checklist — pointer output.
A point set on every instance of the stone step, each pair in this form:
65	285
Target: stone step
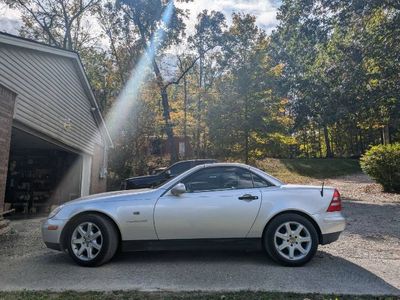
4	223
5	230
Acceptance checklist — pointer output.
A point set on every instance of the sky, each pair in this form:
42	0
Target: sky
10	20
264	10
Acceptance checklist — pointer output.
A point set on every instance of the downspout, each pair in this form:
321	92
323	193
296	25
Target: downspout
103	169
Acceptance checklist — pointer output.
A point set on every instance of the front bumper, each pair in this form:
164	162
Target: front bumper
51	233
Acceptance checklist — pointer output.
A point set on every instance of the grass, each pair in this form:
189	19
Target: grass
305	170
136	295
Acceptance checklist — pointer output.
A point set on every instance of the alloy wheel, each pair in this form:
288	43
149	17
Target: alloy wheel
292	240
86	241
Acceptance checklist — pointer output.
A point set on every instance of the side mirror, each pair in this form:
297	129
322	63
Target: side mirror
168	173
178	189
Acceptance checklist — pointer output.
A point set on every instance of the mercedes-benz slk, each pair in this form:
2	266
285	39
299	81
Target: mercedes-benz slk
219	205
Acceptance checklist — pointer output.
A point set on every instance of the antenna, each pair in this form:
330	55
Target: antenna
322	189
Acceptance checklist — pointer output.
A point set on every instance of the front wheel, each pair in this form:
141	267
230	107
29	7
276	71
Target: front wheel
291	239
92	240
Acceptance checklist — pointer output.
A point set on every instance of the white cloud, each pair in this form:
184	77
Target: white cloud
10	19
264	10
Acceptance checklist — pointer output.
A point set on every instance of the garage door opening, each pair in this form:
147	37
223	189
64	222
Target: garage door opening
40	174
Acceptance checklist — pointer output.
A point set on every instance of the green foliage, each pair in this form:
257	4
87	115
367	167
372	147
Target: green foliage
340	64
139	295
324	83
308	169
382	163
247	120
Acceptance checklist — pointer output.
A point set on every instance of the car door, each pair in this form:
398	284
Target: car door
220	202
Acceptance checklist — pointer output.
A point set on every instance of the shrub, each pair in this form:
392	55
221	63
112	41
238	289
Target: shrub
382	163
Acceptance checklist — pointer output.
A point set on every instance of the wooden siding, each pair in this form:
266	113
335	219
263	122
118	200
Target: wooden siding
51	98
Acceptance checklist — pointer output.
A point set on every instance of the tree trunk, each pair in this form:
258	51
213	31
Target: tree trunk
198	125
166	112
386	135
319	143
185	115
117	60
360	145
198	121
168	126
327	143
246	131
164	95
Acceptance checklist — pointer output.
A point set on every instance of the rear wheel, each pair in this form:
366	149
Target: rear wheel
92	240
291	239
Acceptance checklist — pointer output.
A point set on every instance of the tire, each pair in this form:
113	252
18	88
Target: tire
291	240
97	235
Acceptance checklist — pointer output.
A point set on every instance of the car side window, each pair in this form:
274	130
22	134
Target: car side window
260	182
237	178
179	168
204	180
219	178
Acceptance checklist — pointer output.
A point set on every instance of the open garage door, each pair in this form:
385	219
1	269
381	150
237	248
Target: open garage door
40	174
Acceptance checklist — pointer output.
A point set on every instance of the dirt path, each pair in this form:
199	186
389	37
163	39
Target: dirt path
365	260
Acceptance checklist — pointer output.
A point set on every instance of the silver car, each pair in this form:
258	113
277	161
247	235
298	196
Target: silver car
219	205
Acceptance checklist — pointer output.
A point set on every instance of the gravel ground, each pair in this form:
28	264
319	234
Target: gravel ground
365	260
372	235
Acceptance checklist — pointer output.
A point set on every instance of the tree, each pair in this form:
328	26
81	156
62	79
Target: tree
130	155
147	17
56	22
209	34
295	45
239	118
340	62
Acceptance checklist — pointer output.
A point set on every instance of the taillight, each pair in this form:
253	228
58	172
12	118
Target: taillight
336	202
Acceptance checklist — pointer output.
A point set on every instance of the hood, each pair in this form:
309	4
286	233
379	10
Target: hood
112	195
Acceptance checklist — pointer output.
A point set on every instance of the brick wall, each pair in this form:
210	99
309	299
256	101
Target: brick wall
97	184
7	102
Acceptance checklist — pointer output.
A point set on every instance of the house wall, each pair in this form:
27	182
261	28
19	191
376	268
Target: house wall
51	96
98	184
54	101
7	101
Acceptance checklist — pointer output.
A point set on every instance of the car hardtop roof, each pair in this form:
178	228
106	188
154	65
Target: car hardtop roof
222	164
194	160
202	159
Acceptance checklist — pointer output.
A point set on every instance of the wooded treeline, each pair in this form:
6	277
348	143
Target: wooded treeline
325	83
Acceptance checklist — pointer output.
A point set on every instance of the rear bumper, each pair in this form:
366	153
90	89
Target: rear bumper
330	222
330	237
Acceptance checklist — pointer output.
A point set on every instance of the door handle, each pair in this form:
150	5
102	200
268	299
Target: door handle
248	197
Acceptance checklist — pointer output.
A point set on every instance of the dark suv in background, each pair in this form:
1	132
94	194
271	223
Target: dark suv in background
157	179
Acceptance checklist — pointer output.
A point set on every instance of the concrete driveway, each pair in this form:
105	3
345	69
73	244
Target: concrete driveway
366	260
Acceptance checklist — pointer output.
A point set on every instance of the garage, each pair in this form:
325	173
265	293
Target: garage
40	174
53	139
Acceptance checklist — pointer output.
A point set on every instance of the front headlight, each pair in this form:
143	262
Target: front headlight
55	211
